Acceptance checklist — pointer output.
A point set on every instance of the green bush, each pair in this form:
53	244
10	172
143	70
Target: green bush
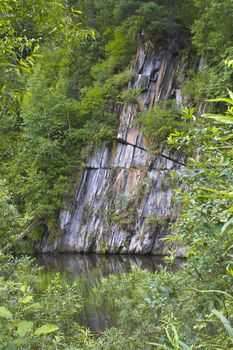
33	317
130	95
158	122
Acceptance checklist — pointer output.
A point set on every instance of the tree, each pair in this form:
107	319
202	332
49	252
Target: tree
24	25
210	38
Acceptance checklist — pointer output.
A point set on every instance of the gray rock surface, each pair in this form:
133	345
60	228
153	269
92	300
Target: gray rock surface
124	202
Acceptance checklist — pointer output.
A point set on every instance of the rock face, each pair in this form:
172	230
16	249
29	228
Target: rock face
124	200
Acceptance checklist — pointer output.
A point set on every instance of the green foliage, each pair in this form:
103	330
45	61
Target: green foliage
195	88
211	80
225	322
54	128
32	317
23	26
70	97
214	43
68	105
154	17
125	8
10	218
158	122
187	309
142	17
209	37
155	220
118	53
190	308
207	210
186	13
49	120
228	117
130	96
148	17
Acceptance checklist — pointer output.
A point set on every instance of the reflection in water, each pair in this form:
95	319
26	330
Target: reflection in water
83	264
88	269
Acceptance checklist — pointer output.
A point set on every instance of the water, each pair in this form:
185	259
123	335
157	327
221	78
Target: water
75	265
88	269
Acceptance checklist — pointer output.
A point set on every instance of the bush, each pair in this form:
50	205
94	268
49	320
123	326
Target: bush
130	95
158	122
33	318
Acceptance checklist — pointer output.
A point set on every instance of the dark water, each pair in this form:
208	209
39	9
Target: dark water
88	269
75	265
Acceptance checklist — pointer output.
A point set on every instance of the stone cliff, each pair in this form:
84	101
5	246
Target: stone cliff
124	201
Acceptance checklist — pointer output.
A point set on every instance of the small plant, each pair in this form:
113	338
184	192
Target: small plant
155	220
129	96
30	315
158	122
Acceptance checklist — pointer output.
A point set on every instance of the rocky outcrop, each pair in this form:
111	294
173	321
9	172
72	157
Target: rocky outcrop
124	202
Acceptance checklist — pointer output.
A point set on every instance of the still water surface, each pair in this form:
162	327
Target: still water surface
88	269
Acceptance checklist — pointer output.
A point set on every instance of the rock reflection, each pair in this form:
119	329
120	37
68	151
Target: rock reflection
83	264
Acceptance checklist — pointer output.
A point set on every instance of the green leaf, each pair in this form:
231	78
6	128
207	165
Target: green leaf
23	327
229	270
27	299
219	193
185	346
23	288
221	99
5	313
20	341
219	118
32	306
228	223
10	347
47	328
225	322
214	291
230	94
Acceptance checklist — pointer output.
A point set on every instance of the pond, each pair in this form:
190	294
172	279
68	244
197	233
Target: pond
88	269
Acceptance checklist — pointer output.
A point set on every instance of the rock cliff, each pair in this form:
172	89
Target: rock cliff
124	201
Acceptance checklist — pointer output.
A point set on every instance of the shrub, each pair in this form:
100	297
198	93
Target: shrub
158	122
